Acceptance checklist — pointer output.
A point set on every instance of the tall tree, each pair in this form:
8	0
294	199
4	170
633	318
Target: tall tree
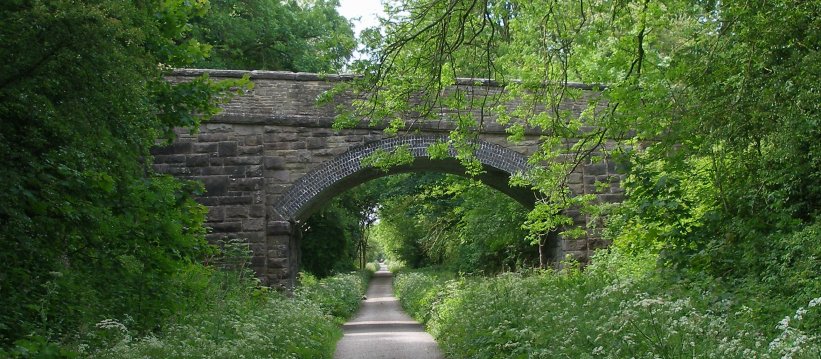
286	35
88	231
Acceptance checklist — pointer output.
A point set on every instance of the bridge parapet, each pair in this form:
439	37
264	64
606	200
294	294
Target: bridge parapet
290	99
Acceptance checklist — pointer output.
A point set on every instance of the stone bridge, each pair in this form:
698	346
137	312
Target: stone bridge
271	158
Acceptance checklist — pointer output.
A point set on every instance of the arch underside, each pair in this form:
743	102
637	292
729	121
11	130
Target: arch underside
315	188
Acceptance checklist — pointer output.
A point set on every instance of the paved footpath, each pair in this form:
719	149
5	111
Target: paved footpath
381	329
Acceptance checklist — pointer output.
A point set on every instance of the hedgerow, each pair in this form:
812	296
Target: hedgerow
594	314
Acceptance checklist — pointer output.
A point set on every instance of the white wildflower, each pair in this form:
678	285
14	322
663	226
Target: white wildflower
784	323
111	324
799	314
650	302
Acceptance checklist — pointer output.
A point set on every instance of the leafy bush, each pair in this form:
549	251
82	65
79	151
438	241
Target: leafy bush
593	314
372	267
237	318
396	265
337	296
420	291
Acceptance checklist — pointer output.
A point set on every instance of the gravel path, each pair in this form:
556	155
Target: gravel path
381	329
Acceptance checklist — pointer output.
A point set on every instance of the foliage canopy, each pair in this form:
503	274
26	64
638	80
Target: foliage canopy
285	35
713	108
88	230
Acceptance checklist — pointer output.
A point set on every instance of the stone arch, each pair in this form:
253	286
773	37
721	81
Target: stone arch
344	172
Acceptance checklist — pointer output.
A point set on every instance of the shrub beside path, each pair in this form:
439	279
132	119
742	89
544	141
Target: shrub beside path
381	329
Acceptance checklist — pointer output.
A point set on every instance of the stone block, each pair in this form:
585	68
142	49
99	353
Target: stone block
274	163
215	214
297	145
256	238
225	227
218	127
253	171
275	228
281	176
275	190
257	211
227	148
284	137
212	171
179	171
322	133
272	129
250	150
215	185
276	146
212	137
596	169
302	156
235	200
246	130
253	140
208	147
235	171
277	263
253	224
246	160
236	212
574	245
246	184
278	253
198	160
315	143
330	152
269	137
